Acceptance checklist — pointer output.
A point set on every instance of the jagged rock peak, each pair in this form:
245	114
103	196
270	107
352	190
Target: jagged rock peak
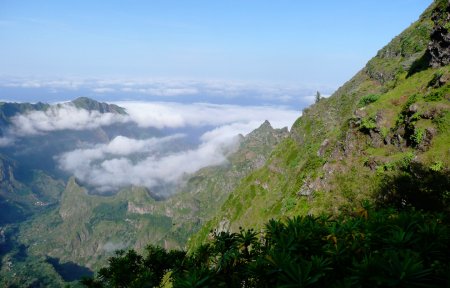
266	124
266	131
102	107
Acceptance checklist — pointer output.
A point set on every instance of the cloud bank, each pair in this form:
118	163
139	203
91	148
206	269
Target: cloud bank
176	115
163	89
107	167
61	117
151	162
147	114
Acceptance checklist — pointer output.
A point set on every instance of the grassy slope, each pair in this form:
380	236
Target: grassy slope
331	159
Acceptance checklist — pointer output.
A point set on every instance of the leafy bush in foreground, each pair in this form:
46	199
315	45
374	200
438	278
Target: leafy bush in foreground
365	248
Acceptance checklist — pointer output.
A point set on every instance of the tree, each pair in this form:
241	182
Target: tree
318	96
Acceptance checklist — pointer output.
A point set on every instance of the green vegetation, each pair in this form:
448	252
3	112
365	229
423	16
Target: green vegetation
86	229
367	124
390	116
382	138
366	100
438	94
417	137
361	248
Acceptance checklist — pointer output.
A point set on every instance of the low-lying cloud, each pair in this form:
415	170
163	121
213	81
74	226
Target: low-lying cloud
61	117
149	162
107	167
147	114
176	115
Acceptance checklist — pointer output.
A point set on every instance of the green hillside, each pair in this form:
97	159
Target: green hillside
390	123
86	229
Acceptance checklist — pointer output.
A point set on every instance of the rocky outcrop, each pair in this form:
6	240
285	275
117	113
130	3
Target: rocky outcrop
439	46
140	209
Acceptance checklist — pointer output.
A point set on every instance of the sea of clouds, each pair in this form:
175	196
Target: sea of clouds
125	161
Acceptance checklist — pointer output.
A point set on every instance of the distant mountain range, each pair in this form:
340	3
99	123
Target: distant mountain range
384	132
55	217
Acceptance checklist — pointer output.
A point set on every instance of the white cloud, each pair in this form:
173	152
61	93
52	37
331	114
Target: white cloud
6	141
159	115
61	117
175	115
103	90
105	166
149	162
163	91
231	91
112	165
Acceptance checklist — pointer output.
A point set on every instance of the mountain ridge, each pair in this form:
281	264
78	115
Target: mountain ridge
94	226
382	123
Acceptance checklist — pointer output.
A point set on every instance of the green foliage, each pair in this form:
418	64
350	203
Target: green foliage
442	121
437	94
417	137
366	100
129	269
388	166
367	124
405	110
405	161
417	186
109	212
361	248
435	80
384	132
437	166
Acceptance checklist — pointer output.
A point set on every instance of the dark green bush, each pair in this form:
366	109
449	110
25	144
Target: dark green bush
366	100
362	248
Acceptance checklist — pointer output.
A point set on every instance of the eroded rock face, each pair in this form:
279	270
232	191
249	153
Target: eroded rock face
439	46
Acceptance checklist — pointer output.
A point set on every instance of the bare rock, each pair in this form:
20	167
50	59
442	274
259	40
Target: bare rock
413	108
224	226
377	139
323	147
439	46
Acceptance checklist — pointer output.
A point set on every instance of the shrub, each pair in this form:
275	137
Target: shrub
437	94
417	137
367	124
361	248
366	100
437	166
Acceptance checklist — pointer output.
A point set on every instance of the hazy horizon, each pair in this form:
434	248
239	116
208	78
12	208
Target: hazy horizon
183	51
218	69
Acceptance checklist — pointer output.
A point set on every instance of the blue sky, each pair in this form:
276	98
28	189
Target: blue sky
319	43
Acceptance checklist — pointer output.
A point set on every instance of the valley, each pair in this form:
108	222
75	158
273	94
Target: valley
376	152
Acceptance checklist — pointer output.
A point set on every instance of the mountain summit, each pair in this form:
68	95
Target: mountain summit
102	107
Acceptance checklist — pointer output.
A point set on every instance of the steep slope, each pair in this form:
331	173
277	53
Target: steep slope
19	199
206	191
28	175
391	120
86	229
